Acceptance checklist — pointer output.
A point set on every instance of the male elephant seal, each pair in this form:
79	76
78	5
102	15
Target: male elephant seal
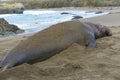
52	40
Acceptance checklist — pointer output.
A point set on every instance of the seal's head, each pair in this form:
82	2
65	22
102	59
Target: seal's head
102	31
99	30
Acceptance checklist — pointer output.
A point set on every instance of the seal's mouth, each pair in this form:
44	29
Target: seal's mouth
108	32
104	30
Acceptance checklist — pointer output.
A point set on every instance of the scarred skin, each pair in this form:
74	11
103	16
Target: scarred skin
52	40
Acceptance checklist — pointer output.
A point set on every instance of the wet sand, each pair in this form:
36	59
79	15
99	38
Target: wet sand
74	63
108	20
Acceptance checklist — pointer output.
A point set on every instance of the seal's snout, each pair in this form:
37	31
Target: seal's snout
107	32
104	30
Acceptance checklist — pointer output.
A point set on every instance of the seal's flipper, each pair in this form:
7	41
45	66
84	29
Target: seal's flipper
91	41
91	44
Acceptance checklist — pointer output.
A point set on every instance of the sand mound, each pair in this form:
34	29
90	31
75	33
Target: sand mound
74	63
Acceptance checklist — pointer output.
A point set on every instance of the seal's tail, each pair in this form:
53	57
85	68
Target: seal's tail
5	67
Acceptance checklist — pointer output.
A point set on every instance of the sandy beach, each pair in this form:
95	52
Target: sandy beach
76	62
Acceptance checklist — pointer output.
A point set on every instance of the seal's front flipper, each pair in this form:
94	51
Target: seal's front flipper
90	42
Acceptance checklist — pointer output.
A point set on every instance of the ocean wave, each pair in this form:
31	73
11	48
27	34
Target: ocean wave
36	20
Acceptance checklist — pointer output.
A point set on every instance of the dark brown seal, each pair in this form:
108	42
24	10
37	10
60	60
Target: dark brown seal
100	30
50	41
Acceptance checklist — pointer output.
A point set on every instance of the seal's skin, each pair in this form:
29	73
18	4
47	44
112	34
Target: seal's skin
49	42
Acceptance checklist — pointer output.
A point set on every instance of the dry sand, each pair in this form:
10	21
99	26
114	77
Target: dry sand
74	63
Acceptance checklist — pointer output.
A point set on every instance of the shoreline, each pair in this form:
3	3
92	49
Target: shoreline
110	9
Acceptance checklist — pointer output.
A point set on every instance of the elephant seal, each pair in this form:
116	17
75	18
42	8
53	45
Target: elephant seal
52	40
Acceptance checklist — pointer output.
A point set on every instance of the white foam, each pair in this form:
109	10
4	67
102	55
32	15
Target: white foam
93	14
36	12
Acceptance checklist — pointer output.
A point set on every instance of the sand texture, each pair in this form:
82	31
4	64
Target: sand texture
74	63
